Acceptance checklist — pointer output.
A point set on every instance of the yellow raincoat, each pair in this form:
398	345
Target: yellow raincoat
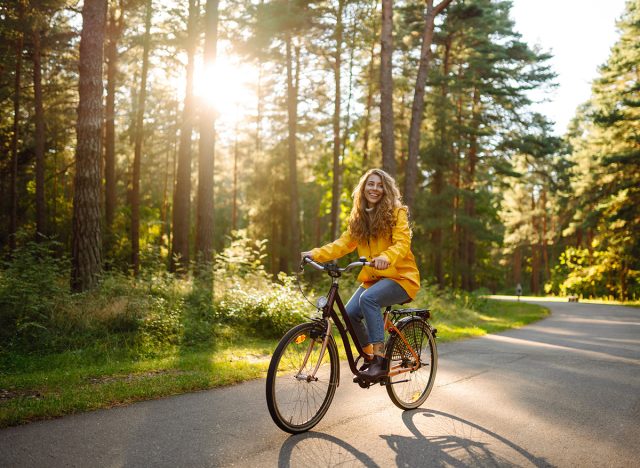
402	269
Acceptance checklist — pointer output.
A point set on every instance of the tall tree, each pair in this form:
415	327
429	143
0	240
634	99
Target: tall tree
39	124
386	89
417	108
139	136
293	80
336	186
19	42
606	179
115	27
87	234
205	202
182	195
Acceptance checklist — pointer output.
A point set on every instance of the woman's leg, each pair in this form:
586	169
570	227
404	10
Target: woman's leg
354	311
384	293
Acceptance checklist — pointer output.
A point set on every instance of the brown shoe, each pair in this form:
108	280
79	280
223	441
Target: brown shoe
378	368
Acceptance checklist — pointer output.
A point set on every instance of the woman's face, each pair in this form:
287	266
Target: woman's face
373	190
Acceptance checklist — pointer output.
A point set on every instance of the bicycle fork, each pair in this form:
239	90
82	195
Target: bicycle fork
300	375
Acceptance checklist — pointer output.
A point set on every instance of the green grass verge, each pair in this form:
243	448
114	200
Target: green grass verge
492	317
566	299
41	387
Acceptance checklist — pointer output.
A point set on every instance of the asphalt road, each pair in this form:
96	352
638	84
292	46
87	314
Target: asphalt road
562	392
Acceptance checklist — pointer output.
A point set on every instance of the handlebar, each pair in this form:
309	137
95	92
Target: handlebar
318	266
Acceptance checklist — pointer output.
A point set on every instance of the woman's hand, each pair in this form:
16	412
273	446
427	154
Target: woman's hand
305	254
380	262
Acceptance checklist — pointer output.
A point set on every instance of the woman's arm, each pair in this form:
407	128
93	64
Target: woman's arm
400	239
336	249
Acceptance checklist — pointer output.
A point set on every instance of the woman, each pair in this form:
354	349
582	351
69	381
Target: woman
379	229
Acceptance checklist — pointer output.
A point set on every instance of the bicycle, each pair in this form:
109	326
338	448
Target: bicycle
304	371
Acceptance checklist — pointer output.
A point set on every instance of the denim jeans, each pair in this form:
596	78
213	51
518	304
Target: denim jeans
366	304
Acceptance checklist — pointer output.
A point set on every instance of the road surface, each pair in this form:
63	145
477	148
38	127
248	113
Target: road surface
562	392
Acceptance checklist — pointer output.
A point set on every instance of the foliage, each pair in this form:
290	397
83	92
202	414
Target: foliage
147	315
604	211
499	197
246	296
31	286
591	274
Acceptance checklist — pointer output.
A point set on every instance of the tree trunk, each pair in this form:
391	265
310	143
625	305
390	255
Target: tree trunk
234	207
336	187
259	106
436	233
87	235
114	30
168	167
13	218
386	89
517	265
292	111
41	215
182	193
456	252
470	202
535	258
438	171
543	238
369	107
417	108
139	135
347	124
205	201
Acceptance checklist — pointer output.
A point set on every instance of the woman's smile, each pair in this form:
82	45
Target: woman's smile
373	190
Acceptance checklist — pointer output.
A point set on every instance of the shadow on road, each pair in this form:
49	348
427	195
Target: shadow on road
438	439
441	439
318	449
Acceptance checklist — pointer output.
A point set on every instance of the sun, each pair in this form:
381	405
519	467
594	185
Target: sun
229	86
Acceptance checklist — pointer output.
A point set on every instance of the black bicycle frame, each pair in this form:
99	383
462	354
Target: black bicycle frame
328	311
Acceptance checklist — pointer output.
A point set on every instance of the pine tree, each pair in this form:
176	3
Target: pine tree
87	233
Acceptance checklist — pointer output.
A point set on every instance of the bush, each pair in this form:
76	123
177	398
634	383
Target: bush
33	285
593	274
144	315
247	297
262	306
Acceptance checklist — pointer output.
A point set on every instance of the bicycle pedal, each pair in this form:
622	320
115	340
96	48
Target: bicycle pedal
361	382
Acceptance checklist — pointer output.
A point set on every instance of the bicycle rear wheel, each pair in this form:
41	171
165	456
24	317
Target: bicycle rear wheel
296	400
410	389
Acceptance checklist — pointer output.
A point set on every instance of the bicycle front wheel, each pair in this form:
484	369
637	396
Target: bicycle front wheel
297	398
410	389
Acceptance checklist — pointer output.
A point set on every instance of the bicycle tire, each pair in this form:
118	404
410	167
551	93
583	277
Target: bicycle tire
409	390
296	405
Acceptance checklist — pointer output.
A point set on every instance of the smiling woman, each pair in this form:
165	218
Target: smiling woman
227	85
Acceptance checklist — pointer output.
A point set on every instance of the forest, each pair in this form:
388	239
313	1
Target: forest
141	136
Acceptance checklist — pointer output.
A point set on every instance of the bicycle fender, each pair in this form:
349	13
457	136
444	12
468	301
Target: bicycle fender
401	323
404	320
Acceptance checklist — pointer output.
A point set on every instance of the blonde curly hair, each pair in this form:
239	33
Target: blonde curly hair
381	220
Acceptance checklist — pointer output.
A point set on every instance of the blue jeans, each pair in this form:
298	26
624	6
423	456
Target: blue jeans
366	304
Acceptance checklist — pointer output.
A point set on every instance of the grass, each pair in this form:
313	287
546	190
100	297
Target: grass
42	387
491	317
610	301
49	386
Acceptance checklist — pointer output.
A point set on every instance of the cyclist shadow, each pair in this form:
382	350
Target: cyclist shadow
318	449
447	440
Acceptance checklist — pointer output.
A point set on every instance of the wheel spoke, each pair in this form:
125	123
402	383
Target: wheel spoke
411	388
297	404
